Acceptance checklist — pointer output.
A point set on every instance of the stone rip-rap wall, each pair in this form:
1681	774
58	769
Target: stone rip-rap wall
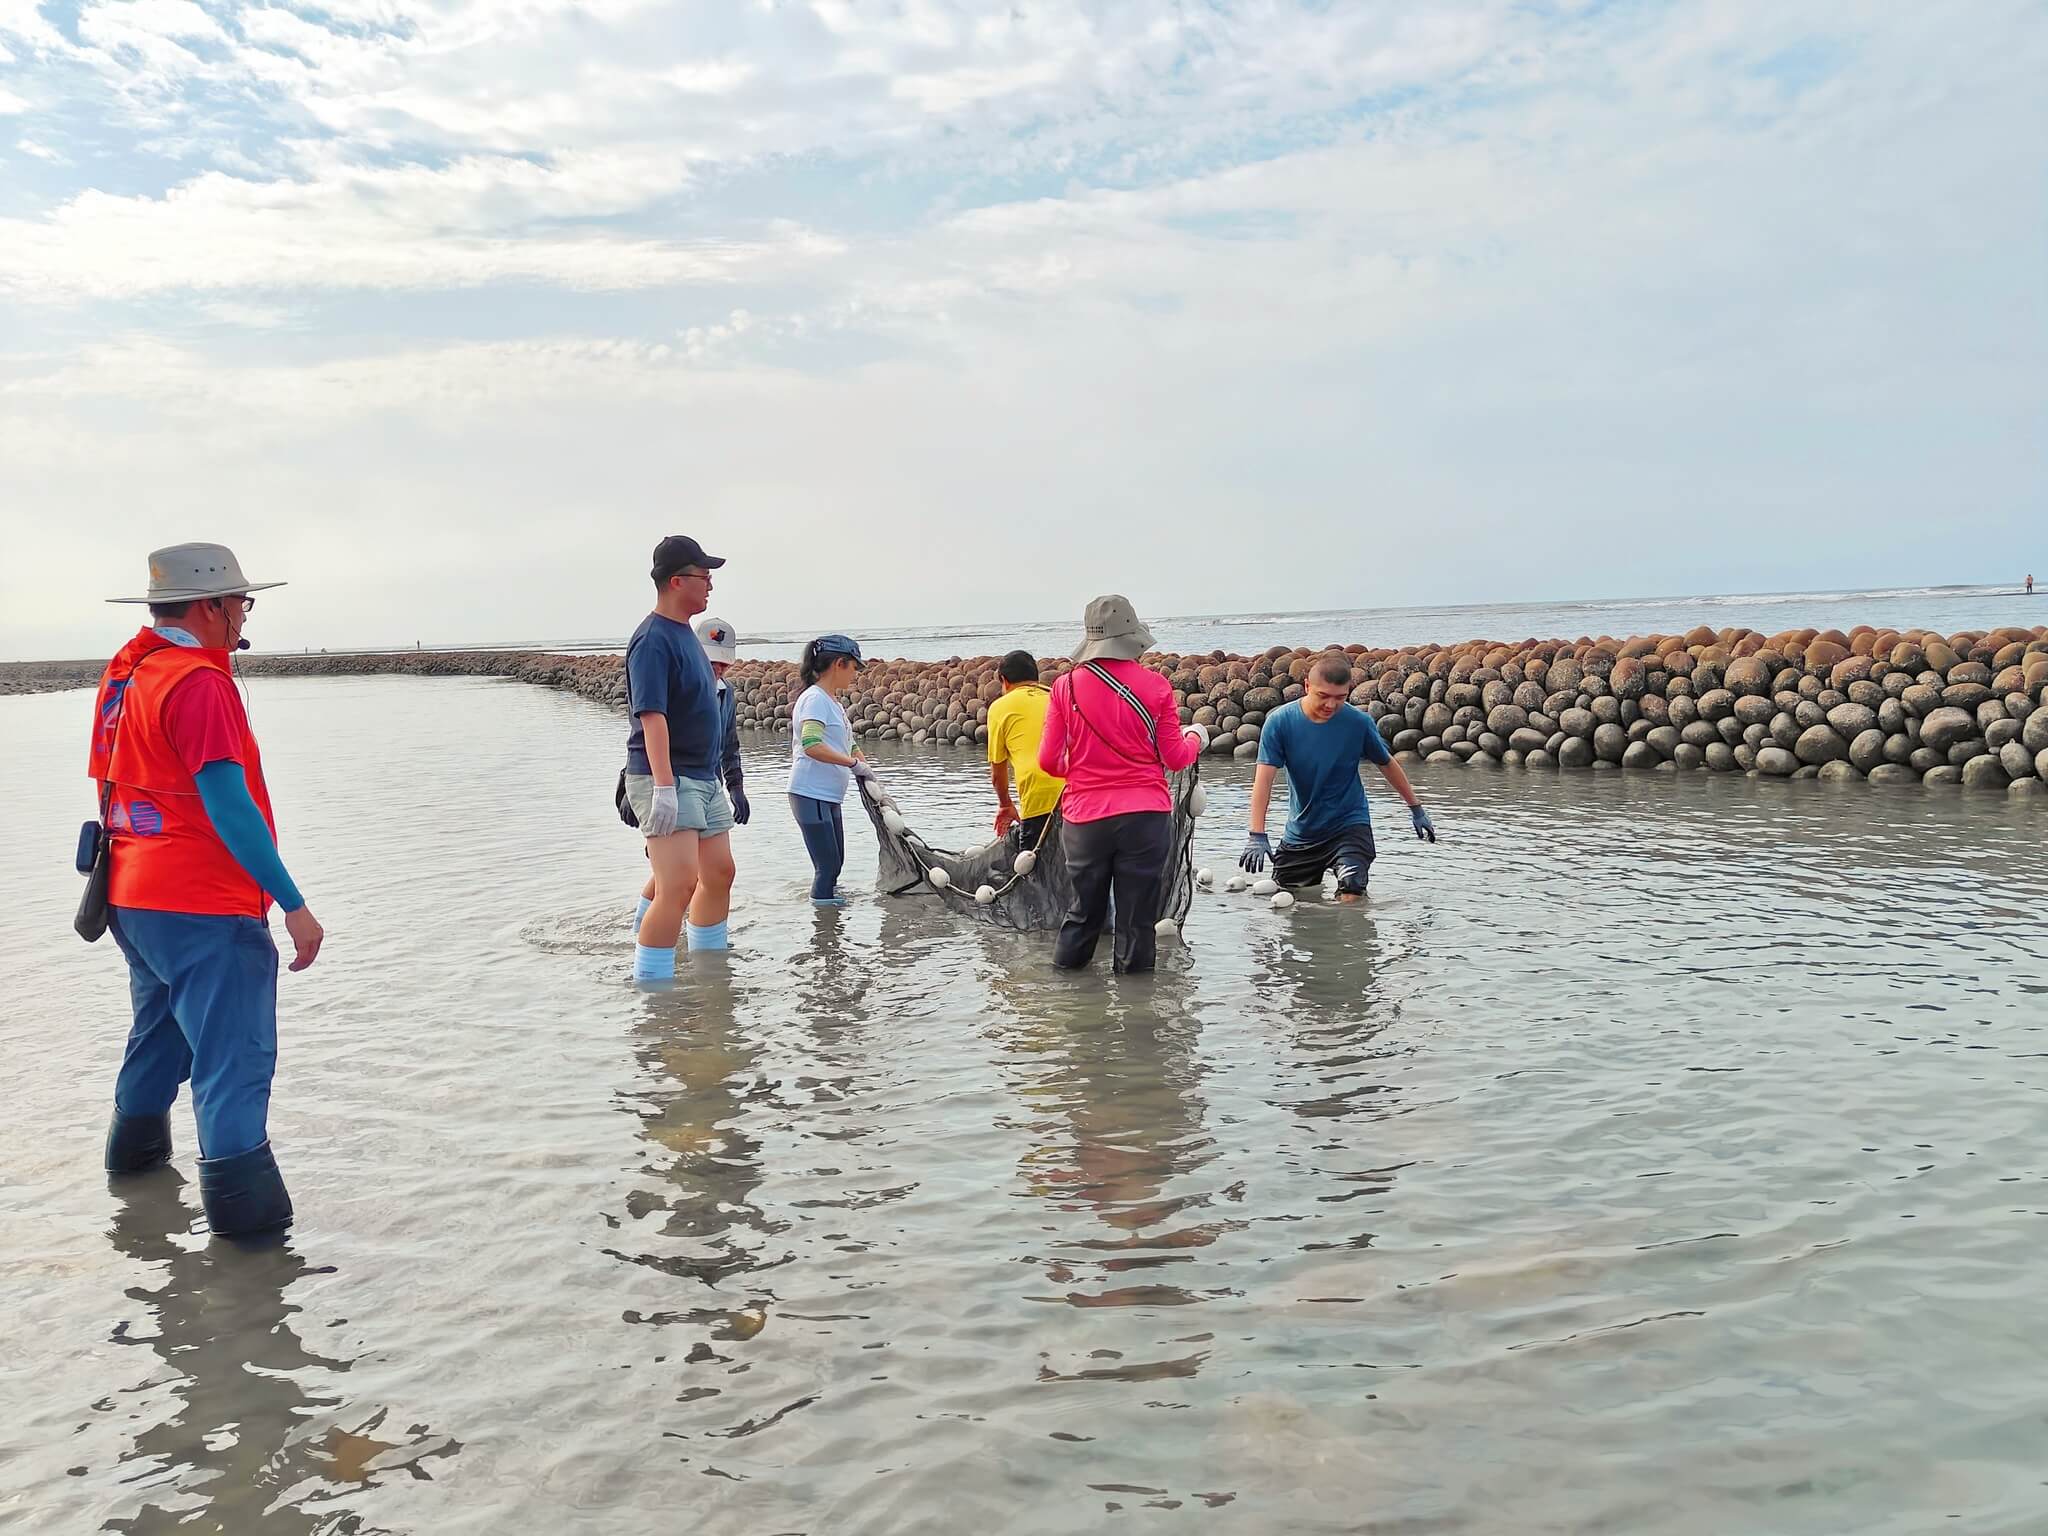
1883	705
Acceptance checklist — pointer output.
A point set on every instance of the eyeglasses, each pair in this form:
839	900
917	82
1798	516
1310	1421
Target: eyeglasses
696	575
243	598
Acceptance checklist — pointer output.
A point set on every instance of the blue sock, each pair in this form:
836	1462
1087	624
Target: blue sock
710	936
640	913
653	964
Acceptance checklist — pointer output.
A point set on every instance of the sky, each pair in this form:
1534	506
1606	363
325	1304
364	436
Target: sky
445	310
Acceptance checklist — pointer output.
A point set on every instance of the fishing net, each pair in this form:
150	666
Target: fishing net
1007	884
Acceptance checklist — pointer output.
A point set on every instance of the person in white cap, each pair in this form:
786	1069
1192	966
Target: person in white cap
712	903
193	868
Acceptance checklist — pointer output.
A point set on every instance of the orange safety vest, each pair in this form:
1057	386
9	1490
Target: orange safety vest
163	852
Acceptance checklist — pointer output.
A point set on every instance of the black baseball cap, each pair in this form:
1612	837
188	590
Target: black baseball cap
677	553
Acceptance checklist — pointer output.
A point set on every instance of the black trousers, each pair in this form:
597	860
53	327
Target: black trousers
1122	854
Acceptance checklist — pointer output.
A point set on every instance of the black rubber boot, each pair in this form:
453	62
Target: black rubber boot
138	1143
244	1194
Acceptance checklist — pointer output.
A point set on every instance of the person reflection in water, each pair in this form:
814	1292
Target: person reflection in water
1125	1085
696	1088
245	1429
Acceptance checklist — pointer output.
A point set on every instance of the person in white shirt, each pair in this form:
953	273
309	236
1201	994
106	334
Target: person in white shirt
823	760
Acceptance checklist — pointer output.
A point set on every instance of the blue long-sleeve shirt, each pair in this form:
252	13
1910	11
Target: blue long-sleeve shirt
224	791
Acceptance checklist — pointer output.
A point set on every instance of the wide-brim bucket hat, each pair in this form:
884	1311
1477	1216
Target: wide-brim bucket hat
1112	631
184	573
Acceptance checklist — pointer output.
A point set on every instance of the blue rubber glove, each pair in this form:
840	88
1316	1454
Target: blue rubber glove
741	809
1424	827
1257	849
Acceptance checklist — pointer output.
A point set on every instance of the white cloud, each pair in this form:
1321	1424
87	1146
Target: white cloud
478	220
11	105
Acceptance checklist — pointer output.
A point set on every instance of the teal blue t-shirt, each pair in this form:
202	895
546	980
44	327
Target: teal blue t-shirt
1324	791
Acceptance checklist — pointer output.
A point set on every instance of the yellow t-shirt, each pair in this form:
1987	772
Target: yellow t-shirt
1015	723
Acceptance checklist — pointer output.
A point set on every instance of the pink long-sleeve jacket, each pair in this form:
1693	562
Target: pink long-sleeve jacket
1096	742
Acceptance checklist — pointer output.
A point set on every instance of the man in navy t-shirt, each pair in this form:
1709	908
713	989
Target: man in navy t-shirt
1320	739
673	753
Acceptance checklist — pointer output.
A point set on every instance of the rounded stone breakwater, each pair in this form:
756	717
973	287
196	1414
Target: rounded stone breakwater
1882	706
1885	706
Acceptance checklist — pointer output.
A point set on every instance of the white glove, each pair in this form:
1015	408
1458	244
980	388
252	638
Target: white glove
661	817
1199	732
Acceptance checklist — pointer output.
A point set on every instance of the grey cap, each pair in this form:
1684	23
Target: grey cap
185	573
1112	631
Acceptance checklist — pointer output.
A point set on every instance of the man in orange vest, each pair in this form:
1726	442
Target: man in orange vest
193	869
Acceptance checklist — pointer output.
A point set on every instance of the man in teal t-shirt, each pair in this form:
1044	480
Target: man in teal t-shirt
1320	739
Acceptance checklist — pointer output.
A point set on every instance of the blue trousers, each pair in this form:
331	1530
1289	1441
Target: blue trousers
205	996
824	833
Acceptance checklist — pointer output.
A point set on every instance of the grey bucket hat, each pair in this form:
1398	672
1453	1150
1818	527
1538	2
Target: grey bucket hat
1112	631
184	573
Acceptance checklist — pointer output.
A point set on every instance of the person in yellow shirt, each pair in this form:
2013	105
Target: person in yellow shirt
1015	722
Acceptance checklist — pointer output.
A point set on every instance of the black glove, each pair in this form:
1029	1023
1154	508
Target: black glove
1257	849
741	810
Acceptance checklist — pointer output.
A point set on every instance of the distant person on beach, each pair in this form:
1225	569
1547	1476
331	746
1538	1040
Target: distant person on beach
1112	731
192	870
2030	584
1320	739
1016	725
823	760
673	754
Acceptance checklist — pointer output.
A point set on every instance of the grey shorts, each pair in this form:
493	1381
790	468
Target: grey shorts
701	805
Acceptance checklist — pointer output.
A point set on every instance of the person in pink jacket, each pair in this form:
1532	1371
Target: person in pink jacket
1112	731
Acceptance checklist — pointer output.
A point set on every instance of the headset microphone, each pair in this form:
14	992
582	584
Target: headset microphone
241	645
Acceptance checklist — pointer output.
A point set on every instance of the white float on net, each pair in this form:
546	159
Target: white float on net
938	877
1026	862
1282	900
985	894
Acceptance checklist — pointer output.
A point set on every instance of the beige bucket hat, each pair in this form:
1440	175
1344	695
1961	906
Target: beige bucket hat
185	573
1111	630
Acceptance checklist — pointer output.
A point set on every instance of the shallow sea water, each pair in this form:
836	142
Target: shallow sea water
1654	1154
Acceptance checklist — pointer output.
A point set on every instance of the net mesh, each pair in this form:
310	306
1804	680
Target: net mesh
1035	899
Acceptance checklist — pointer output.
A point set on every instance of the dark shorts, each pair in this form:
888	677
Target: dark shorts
1349	853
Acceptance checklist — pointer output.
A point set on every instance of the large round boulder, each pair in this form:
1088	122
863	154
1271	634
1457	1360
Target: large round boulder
1610	741
1776	762
1840	772
1893	773
1639	754
2016	760
1506	719
2034	731
1852	720
1747	675
1576	752
1946	726
1866	749
1577	722
1985	772
1819	744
